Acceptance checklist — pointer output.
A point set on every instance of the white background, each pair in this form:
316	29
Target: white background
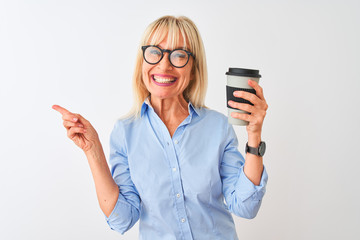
81	55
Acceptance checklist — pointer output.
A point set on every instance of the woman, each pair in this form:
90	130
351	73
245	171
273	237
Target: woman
173	161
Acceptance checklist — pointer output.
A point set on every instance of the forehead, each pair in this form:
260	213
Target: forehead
168	44
167	38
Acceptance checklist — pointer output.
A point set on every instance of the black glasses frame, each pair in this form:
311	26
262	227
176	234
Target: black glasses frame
168	51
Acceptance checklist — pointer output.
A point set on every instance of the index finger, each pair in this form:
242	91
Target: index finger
60	109
258	89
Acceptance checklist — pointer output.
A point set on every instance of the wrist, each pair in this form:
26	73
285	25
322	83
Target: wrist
94	150
254	140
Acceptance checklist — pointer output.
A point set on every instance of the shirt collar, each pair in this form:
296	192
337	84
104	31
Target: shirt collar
146	104
193	109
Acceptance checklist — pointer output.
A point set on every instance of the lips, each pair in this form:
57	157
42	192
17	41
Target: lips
163	80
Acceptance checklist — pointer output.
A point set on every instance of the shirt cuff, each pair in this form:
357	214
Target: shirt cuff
246	189
120	217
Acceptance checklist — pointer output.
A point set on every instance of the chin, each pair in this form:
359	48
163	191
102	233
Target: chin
162	94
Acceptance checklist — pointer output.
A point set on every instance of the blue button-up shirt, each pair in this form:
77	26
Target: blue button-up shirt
177	185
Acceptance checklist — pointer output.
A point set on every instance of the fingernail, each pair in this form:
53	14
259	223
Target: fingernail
80	125
75	119
84	130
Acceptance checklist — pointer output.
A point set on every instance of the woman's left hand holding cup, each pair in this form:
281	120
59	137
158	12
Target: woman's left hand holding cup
258	110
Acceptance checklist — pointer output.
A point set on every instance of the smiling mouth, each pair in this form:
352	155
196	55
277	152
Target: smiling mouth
164	79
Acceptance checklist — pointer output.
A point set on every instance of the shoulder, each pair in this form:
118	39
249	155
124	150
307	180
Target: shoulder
213	115
212	121
128	123
124	122
130	127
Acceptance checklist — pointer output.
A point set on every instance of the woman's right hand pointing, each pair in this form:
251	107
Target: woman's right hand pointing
79	129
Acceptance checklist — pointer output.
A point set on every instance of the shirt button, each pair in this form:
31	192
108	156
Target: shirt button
176	141
178	195
174	169
183	220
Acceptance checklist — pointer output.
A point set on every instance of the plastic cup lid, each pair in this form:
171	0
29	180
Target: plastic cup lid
243	72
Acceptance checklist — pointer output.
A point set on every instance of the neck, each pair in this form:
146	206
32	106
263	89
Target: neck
170	108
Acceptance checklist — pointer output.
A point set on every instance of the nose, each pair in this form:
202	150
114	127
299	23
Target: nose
165	63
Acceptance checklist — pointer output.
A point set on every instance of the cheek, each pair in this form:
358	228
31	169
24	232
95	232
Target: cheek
145	72
187	77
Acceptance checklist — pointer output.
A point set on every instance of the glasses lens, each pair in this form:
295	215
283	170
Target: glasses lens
179	58
152	54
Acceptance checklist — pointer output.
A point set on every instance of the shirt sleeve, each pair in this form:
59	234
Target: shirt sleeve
126	211
243	198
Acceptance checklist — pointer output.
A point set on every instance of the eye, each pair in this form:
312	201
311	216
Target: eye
179	54
154	51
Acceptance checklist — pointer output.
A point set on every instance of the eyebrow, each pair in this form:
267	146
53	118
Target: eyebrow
183	48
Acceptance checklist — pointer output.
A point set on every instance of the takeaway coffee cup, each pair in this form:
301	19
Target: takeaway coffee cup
237	80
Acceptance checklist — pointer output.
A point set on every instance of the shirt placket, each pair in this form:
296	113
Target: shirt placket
171	147
178	188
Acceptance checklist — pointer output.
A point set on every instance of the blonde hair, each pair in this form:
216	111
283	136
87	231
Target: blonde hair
155	33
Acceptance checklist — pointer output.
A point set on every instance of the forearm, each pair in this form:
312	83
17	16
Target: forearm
253	166
106	189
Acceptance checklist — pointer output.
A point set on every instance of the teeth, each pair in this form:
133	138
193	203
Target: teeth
163	80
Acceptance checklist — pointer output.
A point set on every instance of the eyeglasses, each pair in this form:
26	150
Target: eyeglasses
178	57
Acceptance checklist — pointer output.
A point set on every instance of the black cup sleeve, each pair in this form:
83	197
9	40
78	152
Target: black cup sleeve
230	95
